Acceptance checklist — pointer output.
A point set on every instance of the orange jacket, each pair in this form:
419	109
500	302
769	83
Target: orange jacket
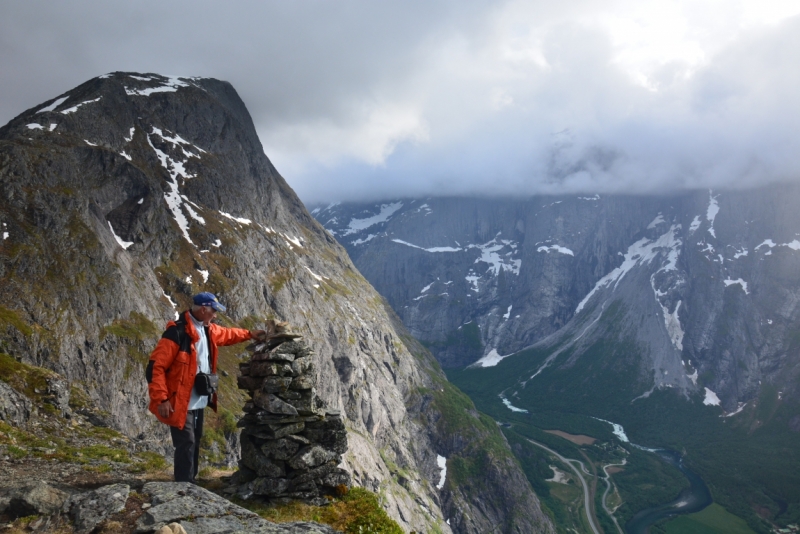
173	365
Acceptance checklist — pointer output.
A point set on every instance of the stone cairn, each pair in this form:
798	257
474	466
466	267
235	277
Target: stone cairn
291	444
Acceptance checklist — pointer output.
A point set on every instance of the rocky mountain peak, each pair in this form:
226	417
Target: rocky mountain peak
124	196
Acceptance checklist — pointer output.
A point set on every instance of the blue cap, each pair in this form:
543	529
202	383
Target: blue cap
208	299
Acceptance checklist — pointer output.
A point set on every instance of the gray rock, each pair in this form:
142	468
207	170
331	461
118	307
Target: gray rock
291	396
250	383
311	457
317	473
280	449
279	357
175	510
285	430
267	368
336	478
302	366
270	487
272	404
254	459
37	498
330	433
186	503
15	408
91	508
276	384
303	382
307	403
58	393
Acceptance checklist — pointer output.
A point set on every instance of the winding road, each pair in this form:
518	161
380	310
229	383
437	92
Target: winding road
605	494
587	497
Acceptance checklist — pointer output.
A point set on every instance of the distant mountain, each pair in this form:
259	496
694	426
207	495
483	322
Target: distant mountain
127	194
709	280
675	316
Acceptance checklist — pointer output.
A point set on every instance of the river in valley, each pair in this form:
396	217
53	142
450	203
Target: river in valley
691	500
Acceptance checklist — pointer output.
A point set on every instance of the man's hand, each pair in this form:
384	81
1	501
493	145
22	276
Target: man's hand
165	409
258	335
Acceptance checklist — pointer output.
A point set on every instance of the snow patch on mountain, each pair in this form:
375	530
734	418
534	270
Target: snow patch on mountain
177	141
693	377
74	108
673	325
124	244
317	277
174	167
240	220
472	278
441	461
695	224
432	249
54	105
490	255
640	253
555	248
172	84
292	241
387	210
359	241
711	398
711	212
739	409
173	197
658	220
739	281
490	360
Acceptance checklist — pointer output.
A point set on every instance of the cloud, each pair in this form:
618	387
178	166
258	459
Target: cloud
359	99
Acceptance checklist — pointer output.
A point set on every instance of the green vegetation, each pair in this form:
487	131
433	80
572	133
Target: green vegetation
136	328
27	379
216	430
20	443
149	462
277	279
750	462
465	339
355	511
10	317
713	520
536	466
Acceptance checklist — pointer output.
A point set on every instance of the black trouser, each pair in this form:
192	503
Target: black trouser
187	446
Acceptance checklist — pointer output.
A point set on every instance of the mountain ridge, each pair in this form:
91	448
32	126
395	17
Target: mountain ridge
504	275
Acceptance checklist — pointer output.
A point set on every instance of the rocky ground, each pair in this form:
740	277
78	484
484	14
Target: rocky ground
63	470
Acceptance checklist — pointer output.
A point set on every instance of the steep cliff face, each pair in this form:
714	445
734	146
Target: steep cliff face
126	195
704	284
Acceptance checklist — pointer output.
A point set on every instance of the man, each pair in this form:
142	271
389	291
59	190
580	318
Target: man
188	347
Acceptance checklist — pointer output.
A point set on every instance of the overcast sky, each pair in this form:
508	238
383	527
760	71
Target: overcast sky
362	100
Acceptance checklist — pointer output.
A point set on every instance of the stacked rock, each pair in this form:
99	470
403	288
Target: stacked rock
291	444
